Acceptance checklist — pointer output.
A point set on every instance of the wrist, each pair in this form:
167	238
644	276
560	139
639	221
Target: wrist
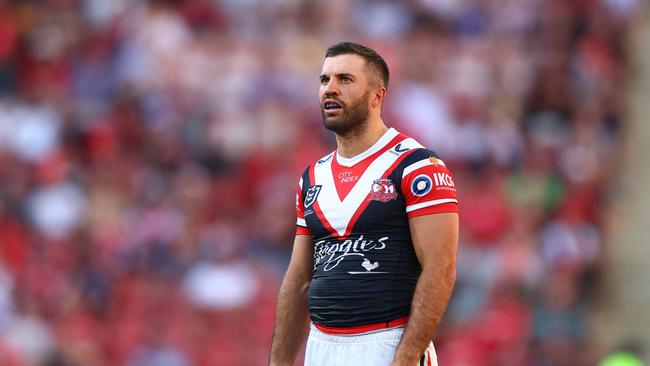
406	357
273	363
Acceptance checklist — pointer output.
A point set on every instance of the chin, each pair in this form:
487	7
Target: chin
332	125
332	122
340	127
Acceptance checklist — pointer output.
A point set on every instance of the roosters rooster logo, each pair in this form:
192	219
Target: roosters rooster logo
383	190
369	266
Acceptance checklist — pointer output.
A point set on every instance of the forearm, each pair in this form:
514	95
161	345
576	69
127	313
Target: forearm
430	300
291	321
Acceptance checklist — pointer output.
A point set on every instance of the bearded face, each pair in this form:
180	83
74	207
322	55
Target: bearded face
343	118
344	94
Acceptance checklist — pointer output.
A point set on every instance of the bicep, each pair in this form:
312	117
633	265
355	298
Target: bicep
435	239
302	257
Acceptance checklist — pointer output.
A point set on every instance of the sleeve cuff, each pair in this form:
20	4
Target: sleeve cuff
434	209
301	230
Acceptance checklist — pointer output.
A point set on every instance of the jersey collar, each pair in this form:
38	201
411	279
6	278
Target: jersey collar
387	137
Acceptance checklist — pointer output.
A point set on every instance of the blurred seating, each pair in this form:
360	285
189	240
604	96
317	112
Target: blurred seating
150	150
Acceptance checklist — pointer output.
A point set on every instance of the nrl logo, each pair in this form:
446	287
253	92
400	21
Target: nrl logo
382	190
312	194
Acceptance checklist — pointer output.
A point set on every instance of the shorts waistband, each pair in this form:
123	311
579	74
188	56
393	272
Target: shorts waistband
392	334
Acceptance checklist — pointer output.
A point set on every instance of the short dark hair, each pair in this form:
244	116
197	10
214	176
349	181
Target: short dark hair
371	56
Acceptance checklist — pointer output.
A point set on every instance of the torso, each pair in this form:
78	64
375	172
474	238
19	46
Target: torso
365	267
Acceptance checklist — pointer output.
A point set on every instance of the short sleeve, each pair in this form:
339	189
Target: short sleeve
428	187
301	224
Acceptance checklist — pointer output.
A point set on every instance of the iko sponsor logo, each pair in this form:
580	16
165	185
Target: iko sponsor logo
329	254
443	179
421	185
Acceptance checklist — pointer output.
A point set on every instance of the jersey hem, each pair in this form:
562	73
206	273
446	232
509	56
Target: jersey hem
359	329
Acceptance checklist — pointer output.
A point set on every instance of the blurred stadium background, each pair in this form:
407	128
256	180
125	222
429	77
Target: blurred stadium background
150	150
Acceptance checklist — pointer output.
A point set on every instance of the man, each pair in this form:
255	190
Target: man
373	262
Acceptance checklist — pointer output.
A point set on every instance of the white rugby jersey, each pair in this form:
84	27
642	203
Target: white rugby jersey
357	211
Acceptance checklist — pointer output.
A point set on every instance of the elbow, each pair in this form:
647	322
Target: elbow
302	282
304	288
445	275
296	281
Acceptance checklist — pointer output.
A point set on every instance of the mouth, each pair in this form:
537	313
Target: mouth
331	106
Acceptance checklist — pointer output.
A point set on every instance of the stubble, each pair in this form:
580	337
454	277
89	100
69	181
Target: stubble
352	120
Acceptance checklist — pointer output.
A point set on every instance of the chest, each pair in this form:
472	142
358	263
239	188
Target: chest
343	202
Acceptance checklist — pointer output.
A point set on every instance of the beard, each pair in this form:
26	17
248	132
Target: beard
351	119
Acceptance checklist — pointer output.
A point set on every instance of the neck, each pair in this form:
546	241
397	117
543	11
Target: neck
356	142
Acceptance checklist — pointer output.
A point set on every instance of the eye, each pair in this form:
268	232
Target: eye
324	80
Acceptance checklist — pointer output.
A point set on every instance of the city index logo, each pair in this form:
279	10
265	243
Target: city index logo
347	177
443	179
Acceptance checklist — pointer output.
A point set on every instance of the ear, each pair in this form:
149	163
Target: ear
378	97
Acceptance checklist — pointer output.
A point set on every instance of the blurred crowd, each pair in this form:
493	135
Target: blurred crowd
150	150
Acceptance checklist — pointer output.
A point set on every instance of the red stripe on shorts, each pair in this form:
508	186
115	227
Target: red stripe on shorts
362	328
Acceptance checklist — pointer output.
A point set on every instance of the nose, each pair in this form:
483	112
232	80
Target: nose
330	89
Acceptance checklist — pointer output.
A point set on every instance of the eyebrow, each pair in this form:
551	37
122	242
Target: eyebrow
339	75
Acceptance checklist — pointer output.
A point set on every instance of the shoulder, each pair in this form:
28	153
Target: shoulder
426	183
308	173
420	158
418	151
322	161
422	154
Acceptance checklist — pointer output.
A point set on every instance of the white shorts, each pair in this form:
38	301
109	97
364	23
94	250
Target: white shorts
368	349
